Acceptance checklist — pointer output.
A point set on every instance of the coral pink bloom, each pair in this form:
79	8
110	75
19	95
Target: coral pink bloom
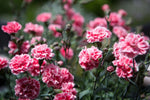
97	22
89	58
52	76
43	17
66	75
34	68
53	28
68	53
42	51
64	96
120	31
3	62
110	68
124	65
122	12
27	88
133	45
19	63
105	7
37	40
98	34
11	27
34	29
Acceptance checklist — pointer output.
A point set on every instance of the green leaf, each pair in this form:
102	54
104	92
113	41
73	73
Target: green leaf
83	93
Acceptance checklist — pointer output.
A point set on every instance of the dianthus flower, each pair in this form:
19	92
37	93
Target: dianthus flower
19	63
42	51
23	99
43	17
97	22
89	58
98	34
122	12
124	66
68	54
120	31
34	29
34	67
66	75
105	7
133	45
36	40
11	27
27	88
23	50
52	76
3	62
53	28
59	20
116	50
69	12
64	96
110	68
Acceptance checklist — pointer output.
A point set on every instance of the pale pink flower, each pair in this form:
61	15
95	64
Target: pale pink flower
97	22
42	51
122	12
120	31
53	28
34	67
110	68
11	27
37	39
52	76
34	29
27	88
68	53
105	7
43	17
89	58
64	96
3	62
60	63
98	34
66	75
19	63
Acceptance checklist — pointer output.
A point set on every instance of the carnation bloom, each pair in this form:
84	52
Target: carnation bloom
68	53
98	34
122	12
37	39
66	75
52	76
3	62
19	63
25	46
89	58
11	27
110	68
59	20
42	51
43	17
105	7
34	29
64	96
124	66
34	67
120	31
53	28
27	88
23	99
97	22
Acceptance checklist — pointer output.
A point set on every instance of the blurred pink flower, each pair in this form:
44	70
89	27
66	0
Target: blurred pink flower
68	54
64	96
3	62
110	68
43	17
27	88
120	31
53	28
11	27
37	39
105	7
122	12
89	58
59	20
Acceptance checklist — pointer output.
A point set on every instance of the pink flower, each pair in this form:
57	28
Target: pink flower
78	19
34	68
120	31
116	50
64	96
105	7
124	66
69	12
68	54
97	22
52	76
122	12
19	63
43	17
133	45
36	40
28	1
23	99
53	28
11	27
42	51
98	34
27	88
60	63
59	20
34	29
110	68
25	47
3	62
89	58
66	75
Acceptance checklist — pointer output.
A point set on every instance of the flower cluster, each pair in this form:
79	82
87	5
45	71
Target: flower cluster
3	62
43	17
